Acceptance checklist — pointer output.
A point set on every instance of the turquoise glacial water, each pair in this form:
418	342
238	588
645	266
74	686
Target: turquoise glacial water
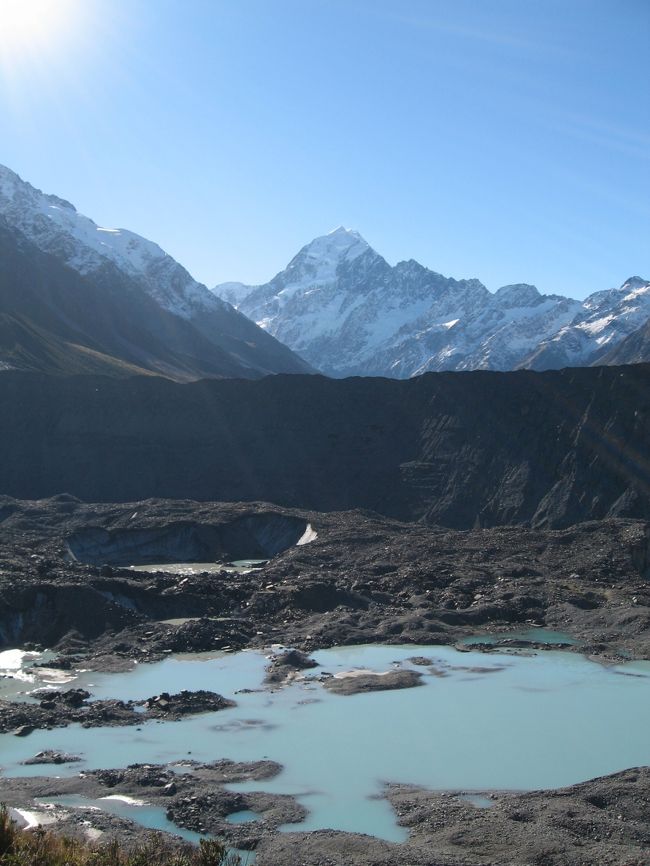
480	722
152	817
245	816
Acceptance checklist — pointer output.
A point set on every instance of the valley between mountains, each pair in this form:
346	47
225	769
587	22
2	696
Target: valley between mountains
76	297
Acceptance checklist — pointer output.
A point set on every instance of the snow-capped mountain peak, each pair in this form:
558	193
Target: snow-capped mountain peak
518	295
341	232
342	239
633	283
318	261
343	308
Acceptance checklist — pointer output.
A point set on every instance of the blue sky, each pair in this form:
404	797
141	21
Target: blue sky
501	139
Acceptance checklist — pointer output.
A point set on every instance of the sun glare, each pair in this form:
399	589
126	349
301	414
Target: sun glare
29	28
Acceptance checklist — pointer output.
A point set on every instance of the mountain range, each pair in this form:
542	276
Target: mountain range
343	308
76	297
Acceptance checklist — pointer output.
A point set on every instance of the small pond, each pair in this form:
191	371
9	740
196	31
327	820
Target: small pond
151	817
238	566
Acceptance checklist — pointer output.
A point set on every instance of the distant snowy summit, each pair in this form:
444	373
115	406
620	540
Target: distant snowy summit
344	309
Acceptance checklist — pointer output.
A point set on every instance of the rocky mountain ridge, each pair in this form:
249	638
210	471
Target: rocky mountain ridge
59	258
342	307
634	349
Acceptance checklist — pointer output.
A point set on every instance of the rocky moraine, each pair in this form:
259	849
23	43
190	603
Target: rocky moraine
310	580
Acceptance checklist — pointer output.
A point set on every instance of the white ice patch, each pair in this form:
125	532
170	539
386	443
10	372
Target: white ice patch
12	660
596	326
12	664
124	798
28	820
54	676
308	536
359	672
636	294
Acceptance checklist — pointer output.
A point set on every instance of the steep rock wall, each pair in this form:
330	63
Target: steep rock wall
459	449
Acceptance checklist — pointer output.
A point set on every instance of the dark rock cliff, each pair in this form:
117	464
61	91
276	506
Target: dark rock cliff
459	449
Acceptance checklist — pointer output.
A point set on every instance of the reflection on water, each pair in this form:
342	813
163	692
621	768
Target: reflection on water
499	721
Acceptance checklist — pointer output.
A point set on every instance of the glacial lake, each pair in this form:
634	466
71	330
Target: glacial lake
480	722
